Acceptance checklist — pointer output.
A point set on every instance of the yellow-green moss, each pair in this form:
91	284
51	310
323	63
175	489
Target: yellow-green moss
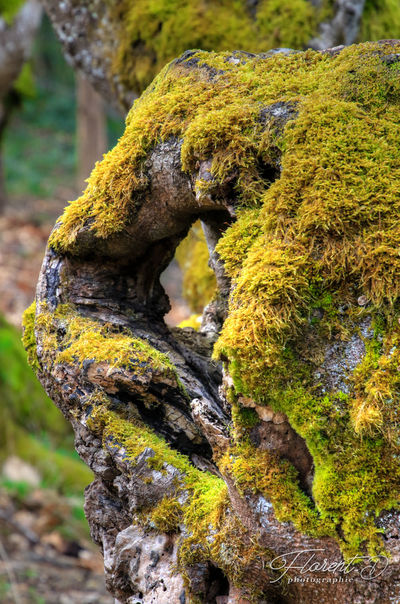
167	515
212	532
199	284
28	337
194	321
87	339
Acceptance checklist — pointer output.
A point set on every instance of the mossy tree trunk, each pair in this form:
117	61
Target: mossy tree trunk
121	46
259	473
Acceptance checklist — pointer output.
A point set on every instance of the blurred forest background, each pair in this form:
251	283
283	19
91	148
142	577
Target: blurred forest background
53	127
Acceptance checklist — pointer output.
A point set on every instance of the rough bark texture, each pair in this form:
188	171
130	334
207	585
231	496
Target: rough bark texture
91	33
107	287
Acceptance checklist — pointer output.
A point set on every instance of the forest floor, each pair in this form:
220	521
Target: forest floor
44	559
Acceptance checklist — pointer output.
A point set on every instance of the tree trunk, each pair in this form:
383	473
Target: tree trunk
243	479
91	129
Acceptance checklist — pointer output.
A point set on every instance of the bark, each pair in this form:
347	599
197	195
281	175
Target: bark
91	129
89	40
115	282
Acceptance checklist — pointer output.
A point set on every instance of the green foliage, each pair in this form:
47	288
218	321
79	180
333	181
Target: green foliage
39	143
381	20
9	8
24	85
23	402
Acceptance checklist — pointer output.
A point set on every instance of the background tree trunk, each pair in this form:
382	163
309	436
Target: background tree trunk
91	128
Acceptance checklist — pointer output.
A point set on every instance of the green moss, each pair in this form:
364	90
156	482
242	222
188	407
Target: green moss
374	408
244	417
199	284
194	321
200	501
167	515
28	338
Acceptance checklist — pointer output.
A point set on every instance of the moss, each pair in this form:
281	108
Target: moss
200	502
194	321
244	417
167	515
152	33
28	338
199	284
87	339
374	409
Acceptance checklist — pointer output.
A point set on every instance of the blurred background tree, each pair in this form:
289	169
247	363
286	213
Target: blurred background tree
19	22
